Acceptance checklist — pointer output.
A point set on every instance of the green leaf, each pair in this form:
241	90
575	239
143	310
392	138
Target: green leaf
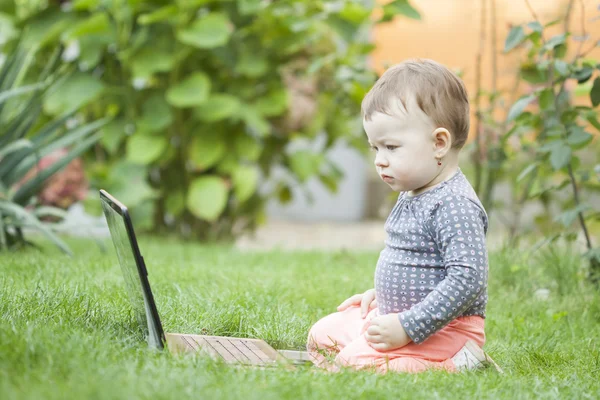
562	68
569	216
305	164
246	147
218	107
128	183
210	31
578	137
29	220
593	254
273	104
549	146
227	164
595	92
97	23
144	149
46	26
555	41
70	138
75	92
519	106
514	38
555	131
254	121
560	51
345	29
252	64
7	94
112	134
149	61
191	92
207	197
162	14
330	182
39	139
284	194
175	202
528	171
401	7
591	118
7	27
156	114
15	146
533	73
356	13
248	7
206	149
546	99
245	182
560	156
143	215
82	5
583	74
535	26
47	211
553	22
91	51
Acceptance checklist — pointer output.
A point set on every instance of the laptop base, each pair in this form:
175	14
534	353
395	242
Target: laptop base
234	350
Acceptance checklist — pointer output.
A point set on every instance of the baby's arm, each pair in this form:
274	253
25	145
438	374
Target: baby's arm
458	226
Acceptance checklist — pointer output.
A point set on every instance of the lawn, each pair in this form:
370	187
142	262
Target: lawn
66	330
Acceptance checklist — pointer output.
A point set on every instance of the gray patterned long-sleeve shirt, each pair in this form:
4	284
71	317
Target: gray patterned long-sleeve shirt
434	266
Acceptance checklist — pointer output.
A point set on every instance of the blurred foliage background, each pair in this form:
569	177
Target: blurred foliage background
205	97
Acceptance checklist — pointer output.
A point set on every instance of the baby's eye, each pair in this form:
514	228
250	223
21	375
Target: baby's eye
390	147
373	148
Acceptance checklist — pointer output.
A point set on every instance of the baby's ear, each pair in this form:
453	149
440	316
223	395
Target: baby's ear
442	140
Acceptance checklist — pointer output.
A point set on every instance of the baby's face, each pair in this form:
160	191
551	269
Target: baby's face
404	146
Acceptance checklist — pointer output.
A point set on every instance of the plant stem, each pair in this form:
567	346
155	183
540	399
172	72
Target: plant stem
588	241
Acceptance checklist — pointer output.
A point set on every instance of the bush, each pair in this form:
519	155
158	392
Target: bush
210	96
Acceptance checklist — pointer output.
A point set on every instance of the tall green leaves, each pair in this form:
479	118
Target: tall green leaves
22	145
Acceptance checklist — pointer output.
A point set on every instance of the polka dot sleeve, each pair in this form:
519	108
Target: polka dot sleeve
458	227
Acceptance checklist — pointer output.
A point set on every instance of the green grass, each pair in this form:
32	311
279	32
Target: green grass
66	330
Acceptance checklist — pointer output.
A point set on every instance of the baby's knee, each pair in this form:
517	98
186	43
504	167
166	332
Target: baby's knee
320	334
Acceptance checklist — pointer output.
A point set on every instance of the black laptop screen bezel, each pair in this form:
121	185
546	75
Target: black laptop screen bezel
122	210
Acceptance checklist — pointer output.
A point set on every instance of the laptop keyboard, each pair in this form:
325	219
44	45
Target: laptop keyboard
231	350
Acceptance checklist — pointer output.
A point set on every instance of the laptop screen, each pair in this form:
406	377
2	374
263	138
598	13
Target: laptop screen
141	299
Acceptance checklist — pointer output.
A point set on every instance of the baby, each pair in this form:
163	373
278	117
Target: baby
427	309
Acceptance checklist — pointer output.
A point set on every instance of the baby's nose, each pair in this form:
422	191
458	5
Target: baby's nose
380	161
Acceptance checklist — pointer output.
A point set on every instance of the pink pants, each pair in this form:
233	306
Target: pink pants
341	335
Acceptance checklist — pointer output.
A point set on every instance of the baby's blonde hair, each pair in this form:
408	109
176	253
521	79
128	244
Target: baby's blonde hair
438	92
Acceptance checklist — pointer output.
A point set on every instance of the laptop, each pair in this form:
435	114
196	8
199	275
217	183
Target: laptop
231	350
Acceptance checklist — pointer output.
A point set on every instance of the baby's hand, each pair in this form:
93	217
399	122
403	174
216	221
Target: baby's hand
366	301
386	333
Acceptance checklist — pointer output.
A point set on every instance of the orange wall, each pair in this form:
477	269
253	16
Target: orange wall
449	32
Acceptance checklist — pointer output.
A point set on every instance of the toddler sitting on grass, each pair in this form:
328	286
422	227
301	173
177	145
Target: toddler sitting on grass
427	308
